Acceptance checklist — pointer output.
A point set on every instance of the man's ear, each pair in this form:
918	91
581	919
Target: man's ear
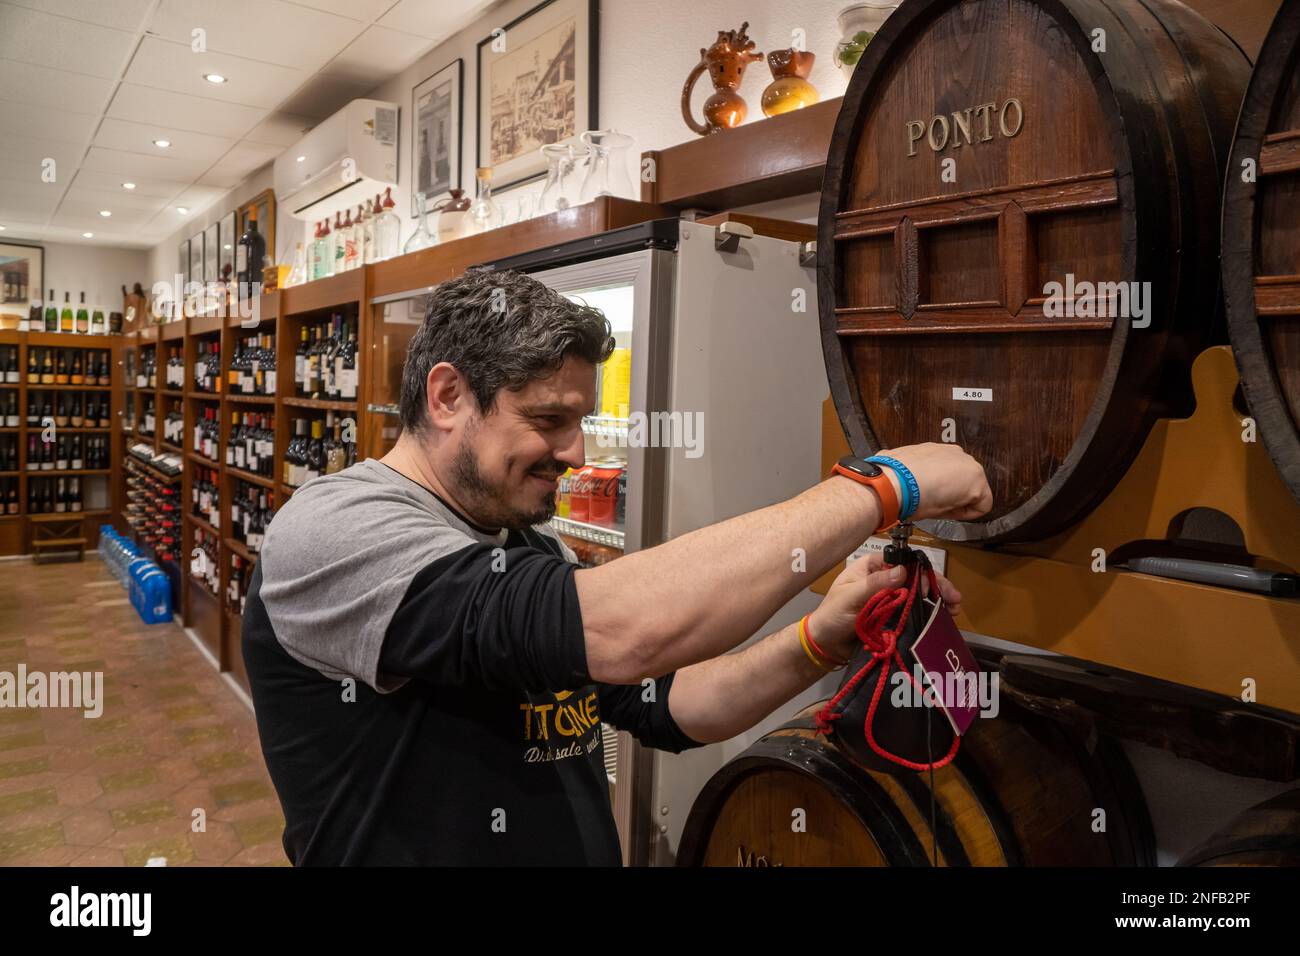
446	393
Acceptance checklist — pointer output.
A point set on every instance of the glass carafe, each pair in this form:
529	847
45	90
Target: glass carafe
387	227
561	190
483	213
607	173
421	238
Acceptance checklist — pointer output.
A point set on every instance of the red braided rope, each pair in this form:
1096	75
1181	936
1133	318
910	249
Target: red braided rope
870	626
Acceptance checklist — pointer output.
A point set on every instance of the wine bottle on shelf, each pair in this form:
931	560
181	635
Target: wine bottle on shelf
11	413
248	259
33	367
74	494
97	326
33	454
11	367
61	410
105	375
83	317
61	368
61	498
75	416
65	317
78	461
51	314
75	375
47	368
34	322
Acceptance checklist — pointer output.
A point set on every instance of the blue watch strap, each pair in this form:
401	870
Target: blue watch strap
911	490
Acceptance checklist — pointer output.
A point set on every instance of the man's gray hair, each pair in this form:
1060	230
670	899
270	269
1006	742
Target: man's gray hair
500	329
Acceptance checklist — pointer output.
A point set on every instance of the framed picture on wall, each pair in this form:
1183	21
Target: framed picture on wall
23	270
226	256
183	261
211	244
536	85
435	134
196	258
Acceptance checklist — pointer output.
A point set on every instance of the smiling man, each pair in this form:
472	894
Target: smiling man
429	667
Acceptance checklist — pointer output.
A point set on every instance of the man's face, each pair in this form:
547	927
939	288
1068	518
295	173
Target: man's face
508	463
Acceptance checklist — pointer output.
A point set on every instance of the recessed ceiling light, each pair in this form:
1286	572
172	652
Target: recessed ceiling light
214	77
227	246
182	210
2	229
302	159
128	185
106	213
88	235
162	143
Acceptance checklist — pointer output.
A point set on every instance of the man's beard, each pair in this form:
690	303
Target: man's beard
489	503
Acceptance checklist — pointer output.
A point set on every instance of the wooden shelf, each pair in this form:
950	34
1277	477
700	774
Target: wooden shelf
239	549
770	158
251	399
248	476
205	325
69	388
171	393
201	461
343	289
174	449
171	331
319	403
205	396
203	523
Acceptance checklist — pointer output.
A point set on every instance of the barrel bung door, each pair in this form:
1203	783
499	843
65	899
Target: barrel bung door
1019	237
1261	244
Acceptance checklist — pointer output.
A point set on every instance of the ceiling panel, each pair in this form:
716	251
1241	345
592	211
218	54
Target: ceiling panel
110	183
28	36
115	200
86	215
144	104
434	21
280	129
123	14
132	237
173	66
34	152
55	89
131	165
23	119
25	204
377	45
268	30
356	9
139	138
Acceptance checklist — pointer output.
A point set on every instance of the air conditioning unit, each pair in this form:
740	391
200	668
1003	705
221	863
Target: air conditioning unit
345	159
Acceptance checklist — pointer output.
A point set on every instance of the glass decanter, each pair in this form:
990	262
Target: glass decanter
421	238
561	164
607	173
483	213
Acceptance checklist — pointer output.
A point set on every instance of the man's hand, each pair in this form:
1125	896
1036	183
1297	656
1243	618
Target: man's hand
831	625
952	483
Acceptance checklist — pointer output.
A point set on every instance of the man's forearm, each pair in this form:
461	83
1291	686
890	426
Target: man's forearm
700	595
717	699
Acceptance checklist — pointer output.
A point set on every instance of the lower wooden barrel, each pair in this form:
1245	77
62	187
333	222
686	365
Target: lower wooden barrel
1022	791
1267	834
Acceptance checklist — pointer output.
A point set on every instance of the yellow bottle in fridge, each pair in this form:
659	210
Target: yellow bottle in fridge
616	384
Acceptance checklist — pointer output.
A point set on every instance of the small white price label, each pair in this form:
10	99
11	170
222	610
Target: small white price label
972	394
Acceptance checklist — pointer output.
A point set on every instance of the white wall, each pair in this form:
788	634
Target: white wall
645	52
99	271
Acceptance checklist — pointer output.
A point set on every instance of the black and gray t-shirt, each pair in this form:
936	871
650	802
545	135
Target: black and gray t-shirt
421	684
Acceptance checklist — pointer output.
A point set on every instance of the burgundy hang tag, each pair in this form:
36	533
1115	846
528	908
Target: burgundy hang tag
951	669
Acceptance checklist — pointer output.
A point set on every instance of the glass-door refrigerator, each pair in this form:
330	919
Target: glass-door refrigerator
711	406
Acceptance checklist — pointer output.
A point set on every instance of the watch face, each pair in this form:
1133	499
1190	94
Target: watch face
868	469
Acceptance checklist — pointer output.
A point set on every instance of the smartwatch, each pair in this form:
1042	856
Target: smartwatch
873	476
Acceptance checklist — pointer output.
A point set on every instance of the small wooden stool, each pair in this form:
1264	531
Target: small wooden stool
57	537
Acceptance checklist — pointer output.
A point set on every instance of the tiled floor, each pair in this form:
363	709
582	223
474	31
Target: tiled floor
128	786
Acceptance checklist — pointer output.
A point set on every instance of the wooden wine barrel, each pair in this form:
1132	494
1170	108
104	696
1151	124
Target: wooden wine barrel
1261	244
984	151
1264	835
1022	791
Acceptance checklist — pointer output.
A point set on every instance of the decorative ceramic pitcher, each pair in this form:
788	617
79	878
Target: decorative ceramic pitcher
726	61
789	89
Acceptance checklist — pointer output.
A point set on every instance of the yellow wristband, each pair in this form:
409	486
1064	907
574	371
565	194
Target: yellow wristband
803	642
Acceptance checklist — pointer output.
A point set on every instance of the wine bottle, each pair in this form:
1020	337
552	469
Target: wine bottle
65	317
51	314
248	259
83	317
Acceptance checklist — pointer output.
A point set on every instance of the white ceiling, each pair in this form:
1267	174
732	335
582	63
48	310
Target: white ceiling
90	84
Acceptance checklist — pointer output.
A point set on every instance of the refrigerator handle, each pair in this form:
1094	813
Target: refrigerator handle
729	234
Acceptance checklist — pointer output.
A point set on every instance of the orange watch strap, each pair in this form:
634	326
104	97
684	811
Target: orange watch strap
884	489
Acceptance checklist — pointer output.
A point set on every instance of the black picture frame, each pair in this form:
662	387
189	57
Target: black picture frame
509	175
455	72
23	305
